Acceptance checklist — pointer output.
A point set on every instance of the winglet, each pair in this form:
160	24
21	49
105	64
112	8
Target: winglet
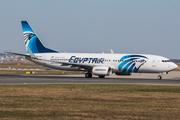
31	53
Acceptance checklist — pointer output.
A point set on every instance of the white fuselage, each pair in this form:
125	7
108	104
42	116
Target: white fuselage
125	63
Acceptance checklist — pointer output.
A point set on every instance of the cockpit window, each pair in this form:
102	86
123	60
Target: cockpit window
166	61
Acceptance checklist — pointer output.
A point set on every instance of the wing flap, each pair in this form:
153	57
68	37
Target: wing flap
87	66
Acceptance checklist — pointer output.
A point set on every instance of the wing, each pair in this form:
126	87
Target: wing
32	56
86	66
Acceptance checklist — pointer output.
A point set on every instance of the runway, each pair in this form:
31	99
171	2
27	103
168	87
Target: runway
171	79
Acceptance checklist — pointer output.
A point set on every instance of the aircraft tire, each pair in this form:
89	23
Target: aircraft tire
88	75
101	76
159	77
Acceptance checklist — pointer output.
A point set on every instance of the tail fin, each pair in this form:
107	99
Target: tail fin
32	41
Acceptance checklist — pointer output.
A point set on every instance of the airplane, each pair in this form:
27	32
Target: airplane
100	64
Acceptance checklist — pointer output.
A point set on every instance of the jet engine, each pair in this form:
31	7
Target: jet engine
102	70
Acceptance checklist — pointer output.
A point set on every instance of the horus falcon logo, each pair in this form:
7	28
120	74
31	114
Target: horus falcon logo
28	36
131	63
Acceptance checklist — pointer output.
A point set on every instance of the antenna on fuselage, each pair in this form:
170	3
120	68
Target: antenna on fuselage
111	51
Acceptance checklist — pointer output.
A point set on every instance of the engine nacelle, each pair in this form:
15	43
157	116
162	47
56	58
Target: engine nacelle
121	73
102	70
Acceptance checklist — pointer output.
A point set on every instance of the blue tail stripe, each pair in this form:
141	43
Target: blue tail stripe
26	27
32	45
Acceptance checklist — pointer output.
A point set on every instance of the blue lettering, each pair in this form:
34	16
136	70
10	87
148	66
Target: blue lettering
90	60
98	60
71	58
101	60
76	60
94	60
83	60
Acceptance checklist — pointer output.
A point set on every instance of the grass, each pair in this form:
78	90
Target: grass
89	101
19	64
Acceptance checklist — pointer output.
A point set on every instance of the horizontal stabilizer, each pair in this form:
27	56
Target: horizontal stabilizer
19	54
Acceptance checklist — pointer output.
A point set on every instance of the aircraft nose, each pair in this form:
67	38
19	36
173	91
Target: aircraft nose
174	66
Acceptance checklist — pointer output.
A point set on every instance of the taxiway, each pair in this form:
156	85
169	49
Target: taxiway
173	78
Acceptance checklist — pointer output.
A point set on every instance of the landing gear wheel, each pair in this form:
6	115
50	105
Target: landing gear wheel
159	77
88	75
101	76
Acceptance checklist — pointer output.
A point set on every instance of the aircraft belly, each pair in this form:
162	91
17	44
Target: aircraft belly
56	66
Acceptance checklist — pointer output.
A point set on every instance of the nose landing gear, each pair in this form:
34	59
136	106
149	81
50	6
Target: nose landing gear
159	77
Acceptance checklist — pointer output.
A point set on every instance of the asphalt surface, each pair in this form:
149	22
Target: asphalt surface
170	79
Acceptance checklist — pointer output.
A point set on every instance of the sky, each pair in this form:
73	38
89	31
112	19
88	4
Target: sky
93	26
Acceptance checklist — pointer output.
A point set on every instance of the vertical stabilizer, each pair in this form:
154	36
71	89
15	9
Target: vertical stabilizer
32	41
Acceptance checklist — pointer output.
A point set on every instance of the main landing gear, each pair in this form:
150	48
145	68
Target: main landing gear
101	76
88	75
